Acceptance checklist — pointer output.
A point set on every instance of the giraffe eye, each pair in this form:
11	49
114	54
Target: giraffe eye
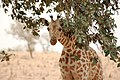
48	29
60	29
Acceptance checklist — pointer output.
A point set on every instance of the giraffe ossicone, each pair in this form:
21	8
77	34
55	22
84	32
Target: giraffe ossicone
75	63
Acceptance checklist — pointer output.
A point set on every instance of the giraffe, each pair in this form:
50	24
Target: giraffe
75	63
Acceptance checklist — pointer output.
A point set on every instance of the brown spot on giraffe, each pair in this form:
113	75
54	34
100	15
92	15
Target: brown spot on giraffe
74	52
72	69
69	50
63	53
79	53
65	68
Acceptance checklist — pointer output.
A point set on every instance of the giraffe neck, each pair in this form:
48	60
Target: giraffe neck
65	40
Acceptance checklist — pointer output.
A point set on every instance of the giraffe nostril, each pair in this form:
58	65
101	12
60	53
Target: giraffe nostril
53	41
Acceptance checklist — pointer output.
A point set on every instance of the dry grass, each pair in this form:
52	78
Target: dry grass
44	67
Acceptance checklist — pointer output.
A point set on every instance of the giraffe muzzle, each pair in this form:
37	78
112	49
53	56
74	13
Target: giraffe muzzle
53	41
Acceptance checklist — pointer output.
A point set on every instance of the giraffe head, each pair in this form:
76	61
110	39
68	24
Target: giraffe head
54	28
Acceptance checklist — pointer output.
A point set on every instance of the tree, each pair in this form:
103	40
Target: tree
44	41
81	17
18	31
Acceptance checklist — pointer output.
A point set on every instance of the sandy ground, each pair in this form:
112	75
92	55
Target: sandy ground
45	67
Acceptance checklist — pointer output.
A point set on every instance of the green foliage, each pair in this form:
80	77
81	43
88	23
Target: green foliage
90	20
118	65
4	56
94	60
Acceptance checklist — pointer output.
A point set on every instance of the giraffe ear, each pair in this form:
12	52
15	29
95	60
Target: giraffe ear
44	21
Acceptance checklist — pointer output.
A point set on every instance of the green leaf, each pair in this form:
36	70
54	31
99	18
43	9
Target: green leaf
5	10
95	60
118	48
3	5
118	65
35	33
83	8
95	14
107	52
79	40
100	41
41	9
18	6
22	12
112	58
24	27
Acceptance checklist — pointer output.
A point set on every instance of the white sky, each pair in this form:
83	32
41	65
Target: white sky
8	41
5	40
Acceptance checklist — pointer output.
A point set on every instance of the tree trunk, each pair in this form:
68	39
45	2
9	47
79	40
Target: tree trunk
30	50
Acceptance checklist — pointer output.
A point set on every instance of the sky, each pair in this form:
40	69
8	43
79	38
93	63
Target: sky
8	41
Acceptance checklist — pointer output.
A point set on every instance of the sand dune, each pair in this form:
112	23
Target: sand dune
45	67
